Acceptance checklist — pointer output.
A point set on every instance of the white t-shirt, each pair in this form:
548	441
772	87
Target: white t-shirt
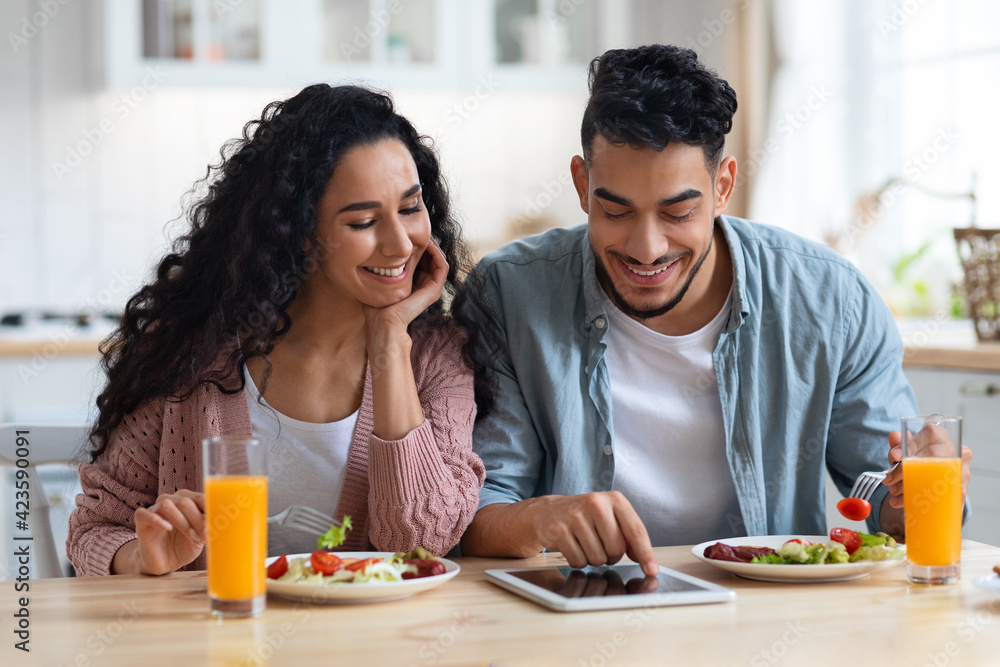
306	465
670	446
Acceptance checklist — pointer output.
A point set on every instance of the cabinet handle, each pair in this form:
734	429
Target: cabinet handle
980	389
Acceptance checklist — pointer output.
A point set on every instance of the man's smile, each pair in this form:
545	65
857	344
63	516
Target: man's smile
646	276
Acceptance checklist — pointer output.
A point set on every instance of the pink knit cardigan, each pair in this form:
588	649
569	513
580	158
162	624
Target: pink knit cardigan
421	490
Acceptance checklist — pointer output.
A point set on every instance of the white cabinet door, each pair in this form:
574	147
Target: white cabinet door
60	390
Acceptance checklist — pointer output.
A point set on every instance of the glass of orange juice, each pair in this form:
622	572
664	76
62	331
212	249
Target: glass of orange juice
932	498
236	525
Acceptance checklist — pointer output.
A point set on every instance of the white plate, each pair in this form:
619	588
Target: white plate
791	573
357	593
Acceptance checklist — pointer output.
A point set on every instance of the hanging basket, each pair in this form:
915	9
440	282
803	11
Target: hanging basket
979	252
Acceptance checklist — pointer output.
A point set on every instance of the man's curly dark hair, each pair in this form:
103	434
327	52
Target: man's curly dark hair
645	97
221	296
649	96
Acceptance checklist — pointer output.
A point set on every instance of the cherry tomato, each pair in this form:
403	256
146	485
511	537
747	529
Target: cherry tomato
277	568
360	565
854	509
324	562
848	538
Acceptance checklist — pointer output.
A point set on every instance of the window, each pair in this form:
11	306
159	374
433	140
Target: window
935	96
881	125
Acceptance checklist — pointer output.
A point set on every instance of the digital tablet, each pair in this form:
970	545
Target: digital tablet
607	587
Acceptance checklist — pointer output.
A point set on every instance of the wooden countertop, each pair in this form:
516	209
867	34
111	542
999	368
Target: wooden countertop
50	341
880	619
48	348
927	344
947	345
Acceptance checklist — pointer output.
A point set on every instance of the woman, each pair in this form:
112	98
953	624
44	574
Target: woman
304	306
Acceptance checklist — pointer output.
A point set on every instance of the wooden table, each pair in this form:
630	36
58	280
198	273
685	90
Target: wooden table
145	621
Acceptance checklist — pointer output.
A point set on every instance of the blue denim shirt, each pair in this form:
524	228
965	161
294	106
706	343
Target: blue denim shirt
809	369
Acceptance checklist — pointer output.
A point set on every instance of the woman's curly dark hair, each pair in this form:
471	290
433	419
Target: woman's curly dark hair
652	95
221	296
485	339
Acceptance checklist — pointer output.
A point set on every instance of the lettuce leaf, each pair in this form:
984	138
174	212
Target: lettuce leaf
796	553
334	537
877	540
769	559
877	552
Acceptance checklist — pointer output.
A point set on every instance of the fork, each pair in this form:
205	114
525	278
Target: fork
867	482
303	518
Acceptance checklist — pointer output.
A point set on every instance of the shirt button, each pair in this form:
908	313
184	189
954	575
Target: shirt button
600	322
607	450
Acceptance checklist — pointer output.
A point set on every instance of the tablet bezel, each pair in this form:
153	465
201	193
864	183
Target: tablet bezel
709	593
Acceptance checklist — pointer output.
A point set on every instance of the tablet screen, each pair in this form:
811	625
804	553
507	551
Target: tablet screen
605	581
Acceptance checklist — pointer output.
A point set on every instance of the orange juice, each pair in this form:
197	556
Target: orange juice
932	507
236	513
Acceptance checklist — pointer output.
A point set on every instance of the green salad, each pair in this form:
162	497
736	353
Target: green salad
845	546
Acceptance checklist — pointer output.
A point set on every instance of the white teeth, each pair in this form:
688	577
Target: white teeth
647	273
391	273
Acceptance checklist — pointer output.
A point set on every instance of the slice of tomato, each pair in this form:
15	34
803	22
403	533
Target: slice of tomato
277	568
360	565
800	541
854	509
848	538
325	562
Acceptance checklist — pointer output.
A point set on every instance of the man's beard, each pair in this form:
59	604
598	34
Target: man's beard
604	278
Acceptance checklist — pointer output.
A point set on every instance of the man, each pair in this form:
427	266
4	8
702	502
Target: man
666	374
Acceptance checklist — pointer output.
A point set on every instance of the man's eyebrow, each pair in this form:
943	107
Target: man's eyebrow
604	194
690	193
365	205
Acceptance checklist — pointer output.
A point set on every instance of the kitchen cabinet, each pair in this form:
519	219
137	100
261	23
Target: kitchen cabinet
50	379
974	396
396	44
47	375
267	43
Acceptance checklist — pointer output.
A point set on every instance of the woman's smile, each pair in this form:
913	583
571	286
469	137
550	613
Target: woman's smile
390	275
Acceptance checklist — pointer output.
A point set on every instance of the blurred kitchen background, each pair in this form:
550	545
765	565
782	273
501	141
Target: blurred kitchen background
111	109
868	125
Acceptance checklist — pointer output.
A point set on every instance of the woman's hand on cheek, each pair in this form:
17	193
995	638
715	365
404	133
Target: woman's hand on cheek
394	393
429	277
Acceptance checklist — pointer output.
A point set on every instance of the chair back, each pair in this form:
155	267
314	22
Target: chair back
23	447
